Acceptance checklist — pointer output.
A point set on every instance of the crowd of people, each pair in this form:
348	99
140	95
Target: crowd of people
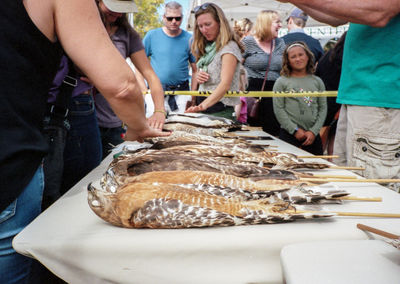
106	102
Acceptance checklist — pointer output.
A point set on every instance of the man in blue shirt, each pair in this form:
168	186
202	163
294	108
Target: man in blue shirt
169	50
295	24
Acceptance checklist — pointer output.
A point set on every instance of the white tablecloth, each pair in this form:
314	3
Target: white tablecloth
79	247
338	262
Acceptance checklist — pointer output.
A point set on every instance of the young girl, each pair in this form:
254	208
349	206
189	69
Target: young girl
302	117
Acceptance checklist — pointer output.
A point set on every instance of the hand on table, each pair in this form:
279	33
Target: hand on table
191	103
157	120
139	136
198	108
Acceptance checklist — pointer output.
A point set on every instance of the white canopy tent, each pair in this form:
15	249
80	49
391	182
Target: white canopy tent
238	9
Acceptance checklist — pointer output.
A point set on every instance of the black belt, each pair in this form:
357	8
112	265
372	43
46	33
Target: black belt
183	85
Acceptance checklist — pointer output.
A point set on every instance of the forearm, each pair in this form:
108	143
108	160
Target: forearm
84	38
323	17
194	85
142	64
128	104
368	12
157	93
216	96
141	82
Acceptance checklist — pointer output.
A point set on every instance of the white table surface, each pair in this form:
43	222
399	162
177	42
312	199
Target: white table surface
338	262
80	247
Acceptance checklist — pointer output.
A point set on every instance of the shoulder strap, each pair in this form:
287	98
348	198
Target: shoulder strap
269	63
60	107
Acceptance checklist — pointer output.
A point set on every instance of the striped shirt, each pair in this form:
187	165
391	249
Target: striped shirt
256	60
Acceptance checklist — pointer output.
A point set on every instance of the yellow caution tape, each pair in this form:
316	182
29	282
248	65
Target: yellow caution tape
256	93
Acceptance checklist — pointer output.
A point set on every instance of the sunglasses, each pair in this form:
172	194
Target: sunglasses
202	7
178	19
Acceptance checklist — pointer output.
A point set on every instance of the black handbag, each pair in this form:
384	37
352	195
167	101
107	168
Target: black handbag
55	130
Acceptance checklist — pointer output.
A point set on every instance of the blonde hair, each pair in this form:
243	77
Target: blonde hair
287	69
225	35
242	27
262	28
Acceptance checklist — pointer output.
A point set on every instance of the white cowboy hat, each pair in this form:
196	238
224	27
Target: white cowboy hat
121	6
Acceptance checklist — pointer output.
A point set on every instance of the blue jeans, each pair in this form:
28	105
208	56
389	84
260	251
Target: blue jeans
83	149
14	267
111	137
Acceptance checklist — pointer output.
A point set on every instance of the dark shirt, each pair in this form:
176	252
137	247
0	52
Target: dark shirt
28	63
312	43
329	71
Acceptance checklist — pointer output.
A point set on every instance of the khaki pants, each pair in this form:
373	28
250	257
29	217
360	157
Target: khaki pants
369	137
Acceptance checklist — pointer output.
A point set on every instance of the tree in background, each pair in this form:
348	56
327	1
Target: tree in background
148	17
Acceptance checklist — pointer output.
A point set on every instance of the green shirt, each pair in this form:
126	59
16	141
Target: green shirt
308	113
371	66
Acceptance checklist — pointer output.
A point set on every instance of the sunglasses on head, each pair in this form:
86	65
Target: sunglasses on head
201	7
178	19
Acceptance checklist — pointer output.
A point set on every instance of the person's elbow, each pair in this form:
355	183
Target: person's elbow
380	20
336	22
124	91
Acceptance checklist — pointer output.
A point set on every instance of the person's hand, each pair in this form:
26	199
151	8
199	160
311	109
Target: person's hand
157	120
191	103
300	134
310	137
202	77
198	108
139	136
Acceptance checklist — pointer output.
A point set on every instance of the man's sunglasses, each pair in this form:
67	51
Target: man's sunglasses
201	7
169	19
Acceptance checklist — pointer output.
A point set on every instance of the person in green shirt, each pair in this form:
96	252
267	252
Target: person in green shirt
300	117
368	131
